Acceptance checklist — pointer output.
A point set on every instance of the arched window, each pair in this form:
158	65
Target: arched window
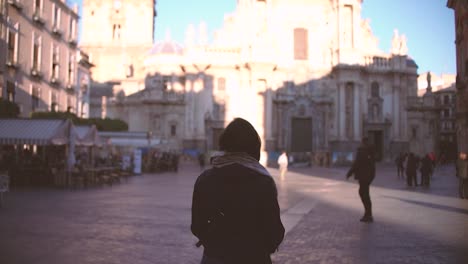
300	44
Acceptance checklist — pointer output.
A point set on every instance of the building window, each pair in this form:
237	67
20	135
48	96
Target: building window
56	17
38	8
36	52
166	82
13	44
72	29
55	63
446	99
414	132
300	44
375	90
54	102
3	7
446	113
221	84
11	91
173	130
182	80
69	104
71	70
36	97
116	31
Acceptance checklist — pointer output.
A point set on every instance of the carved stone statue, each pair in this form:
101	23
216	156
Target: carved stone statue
429	77
395	42
202	33
190	35
403	46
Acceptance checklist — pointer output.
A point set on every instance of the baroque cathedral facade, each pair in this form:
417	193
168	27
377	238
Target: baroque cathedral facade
307	74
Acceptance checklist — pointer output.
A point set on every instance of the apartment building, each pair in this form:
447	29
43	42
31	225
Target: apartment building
40	66
460	8
447	140
3	27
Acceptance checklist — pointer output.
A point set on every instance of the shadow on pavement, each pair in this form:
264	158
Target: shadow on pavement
333	234
431	205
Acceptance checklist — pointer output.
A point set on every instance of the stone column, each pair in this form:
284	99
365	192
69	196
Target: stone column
396	113
268	114
357	111
326	129
341	110
402	95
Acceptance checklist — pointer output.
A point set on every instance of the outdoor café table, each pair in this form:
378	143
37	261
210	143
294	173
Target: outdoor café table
97	172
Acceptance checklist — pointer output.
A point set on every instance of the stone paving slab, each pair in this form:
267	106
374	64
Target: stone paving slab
147	220
412	225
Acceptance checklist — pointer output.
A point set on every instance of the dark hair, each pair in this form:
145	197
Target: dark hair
240	136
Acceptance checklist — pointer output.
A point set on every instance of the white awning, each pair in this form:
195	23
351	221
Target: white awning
33	131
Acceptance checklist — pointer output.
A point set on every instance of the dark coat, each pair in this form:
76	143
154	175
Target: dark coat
426	165
236	216
363	166
412	164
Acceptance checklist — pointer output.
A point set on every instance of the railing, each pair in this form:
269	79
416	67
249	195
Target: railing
378	62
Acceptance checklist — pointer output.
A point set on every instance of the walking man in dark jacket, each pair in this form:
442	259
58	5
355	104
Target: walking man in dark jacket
363	169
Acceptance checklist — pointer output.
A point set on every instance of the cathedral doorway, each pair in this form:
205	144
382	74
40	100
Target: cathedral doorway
301	136
376	139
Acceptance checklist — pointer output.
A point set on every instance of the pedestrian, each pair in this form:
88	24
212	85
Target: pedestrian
426	168
411	169
432	156
363	169
201	160
235	211
399	162
462	175
283	164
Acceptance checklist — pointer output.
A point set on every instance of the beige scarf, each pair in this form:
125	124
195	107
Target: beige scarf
241	158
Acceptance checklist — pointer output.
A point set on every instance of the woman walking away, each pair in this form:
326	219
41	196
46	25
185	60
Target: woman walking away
235	211
283	164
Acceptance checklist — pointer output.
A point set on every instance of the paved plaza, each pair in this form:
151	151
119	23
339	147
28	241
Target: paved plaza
147	220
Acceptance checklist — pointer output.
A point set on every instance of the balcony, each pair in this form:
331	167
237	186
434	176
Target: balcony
378	62
12	64
56	31
36	73
70	88
16	4
54	81
37	18
72	41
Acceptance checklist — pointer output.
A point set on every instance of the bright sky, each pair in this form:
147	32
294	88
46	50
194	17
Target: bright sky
427	24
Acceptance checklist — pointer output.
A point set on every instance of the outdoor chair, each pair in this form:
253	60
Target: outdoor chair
77	179
115	177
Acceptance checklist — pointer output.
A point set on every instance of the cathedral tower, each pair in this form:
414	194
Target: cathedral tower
116	35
